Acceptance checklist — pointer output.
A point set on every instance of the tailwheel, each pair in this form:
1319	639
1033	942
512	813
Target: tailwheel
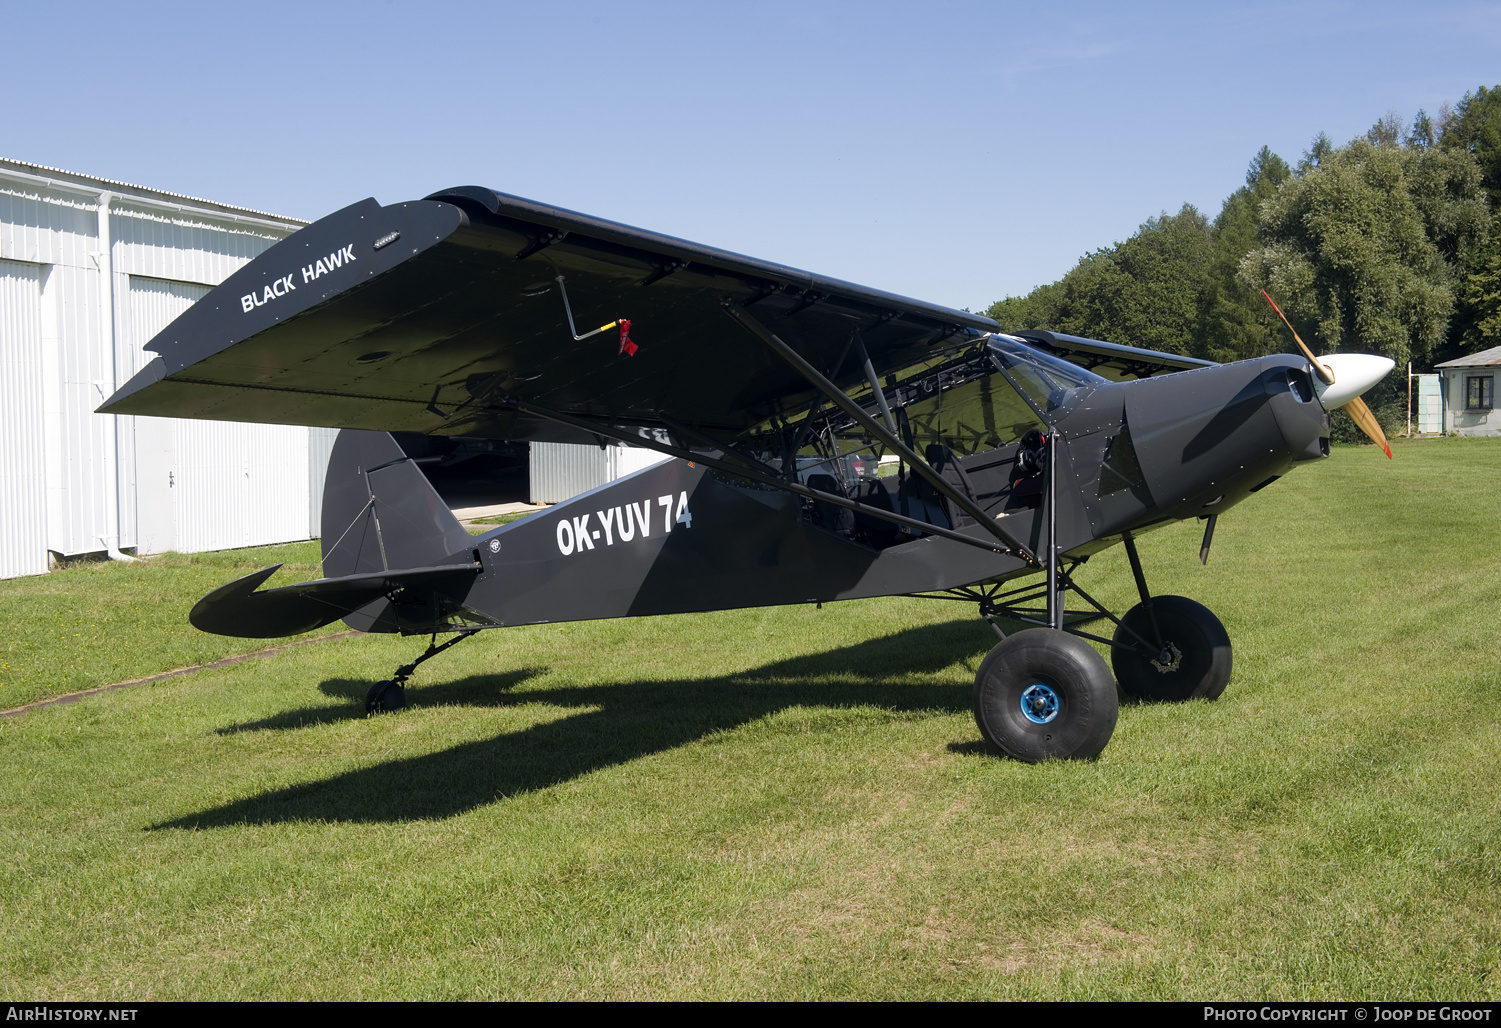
392	694
1045	695
385	697
1177	650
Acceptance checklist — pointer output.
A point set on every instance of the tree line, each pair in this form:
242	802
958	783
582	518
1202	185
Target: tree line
1389	244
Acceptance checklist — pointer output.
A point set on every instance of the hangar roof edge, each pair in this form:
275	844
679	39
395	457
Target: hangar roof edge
95	182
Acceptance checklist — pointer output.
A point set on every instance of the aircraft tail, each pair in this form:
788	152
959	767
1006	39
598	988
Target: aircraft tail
395	559
380	513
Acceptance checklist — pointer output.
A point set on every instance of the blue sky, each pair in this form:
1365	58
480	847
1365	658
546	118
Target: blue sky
956	152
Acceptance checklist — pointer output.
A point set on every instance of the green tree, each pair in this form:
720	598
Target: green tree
1355	248
1475	127
1038	309
1148	291
1477	304
1321	147
1238	323
1172	286
1446	188
1423	133
1387	131
1371	246
1359	250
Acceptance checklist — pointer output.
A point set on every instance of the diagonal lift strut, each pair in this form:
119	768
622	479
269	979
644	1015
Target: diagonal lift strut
875	428
748	473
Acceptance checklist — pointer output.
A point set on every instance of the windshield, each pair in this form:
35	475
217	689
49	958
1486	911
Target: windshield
1045	377
976	416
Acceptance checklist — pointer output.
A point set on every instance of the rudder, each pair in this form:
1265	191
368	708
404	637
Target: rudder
380	513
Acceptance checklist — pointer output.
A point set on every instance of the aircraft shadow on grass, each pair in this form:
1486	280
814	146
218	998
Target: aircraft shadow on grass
622	722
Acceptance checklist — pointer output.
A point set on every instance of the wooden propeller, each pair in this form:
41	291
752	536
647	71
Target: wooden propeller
1356	408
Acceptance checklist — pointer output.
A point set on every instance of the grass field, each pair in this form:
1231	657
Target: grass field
782	803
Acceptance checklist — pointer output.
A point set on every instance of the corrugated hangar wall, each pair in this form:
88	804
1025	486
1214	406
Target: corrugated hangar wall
90	270
560	471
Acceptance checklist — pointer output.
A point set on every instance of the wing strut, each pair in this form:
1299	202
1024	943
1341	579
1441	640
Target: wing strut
875	428
750	474
875	386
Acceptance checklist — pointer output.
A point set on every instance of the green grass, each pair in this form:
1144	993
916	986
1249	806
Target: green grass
92	623
479	526
792	803
502	519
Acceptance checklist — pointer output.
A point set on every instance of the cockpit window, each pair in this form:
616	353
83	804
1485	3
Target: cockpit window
970	408
1045	377
971	418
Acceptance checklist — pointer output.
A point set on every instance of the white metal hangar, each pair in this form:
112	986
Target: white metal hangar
90	270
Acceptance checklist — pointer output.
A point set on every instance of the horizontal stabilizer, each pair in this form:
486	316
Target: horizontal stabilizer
237	609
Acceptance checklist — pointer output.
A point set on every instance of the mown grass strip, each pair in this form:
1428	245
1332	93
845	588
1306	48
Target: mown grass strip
88	624
74	697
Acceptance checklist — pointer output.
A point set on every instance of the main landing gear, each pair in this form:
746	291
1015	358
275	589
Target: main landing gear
1192	661
391	694
1045	694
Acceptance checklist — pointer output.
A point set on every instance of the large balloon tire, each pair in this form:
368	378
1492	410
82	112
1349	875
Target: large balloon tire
1195	640
1044	695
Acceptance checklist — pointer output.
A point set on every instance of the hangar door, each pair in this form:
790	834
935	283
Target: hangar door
23	474
209	485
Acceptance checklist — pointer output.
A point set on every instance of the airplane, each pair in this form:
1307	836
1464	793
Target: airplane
1019	457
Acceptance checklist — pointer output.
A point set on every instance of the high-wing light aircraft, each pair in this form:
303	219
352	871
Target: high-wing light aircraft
1019	456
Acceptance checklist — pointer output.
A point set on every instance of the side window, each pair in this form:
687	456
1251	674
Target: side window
1480	392
971	418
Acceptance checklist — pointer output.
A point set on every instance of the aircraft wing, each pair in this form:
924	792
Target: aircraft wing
426	316
1112	360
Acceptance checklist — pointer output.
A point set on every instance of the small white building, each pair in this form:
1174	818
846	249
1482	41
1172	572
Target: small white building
90	270
1469	391
1425	405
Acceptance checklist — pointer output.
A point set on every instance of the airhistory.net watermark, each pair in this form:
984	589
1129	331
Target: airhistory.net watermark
54	1012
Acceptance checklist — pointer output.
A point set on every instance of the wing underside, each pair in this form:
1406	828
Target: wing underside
424	316
1111	360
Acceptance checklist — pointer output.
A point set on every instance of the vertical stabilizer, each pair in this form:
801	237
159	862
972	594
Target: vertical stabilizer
380	513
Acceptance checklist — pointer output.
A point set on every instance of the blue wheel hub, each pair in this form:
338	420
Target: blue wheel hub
1039	703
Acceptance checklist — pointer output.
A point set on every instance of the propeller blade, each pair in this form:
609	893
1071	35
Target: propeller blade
1362	416
1365	370
1318	368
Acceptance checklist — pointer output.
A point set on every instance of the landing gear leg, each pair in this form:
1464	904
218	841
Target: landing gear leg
391	694
1044	694
1168	648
